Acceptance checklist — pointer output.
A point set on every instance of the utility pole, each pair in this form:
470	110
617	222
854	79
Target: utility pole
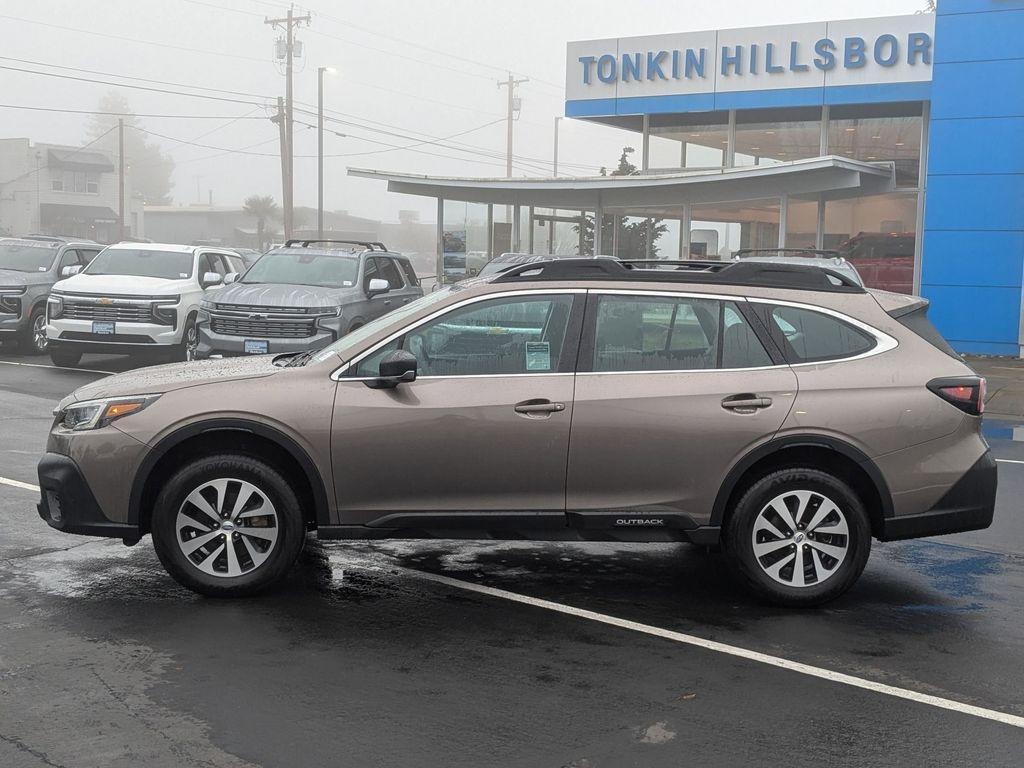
554	159
320	148
513	107
120	179
286	185
288	23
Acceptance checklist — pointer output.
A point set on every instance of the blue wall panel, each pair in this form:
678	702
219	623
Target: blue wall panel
955	309
978	88
1001	151
978	36
980	258
974	202
973	247
977	6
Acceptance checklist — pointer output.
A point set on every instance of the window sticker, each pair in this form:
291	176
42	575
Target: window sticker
538	356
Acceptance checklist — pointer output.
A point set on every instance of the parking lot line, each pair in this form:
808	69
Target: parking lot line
1010	461
732	650
56	368
18	484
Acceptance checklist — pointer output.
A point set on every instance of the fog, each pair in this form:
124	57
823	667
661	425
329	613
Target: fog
408	72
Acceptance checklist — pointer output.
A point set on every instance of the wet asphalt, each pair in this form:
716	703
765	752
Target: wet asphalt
359	661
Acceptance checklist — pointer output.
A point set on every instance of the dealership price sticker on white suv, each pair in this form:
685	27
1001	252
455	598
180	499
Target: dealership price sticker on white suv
135	298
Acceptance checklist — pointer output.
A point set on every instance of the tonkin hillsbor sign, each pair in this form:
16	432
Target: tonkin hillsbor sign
738	67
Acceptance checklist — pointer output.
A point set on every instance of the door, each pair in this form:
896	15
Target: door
672	389
401	291
485	426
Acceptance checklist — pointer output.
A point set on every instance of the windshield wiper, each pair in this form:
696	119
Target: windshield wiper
300	359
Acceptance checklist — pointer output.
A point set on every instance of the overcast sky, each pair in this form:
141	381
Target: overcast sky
417	69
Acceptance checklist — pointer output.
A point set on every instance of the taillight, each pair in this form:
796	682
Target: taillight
966	393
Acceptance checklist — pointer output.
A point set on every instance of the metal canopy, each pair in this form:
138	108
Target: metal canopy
828	177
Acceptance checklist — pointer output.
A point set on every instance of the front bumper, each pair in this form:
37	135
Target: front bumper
211	343
968	506
68	504
78	334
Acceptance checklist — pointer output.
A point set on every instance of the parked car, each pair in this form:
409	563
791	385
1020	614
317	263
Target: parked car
886	260
583	399
135	298
29	266
304	296
249	255
807	256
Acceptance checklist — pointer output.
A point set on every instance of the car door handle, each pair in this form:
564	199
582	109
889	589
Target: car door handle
746	403
532	406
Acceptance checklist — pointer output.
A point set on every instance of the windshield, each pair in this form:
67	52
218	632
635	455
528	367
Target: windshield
322	270
27	256
168	265
347	345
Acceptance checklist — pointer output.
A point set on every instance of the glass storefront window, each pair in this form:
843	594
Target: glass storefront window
879	132
877	234
718	230
688	141
464	239
773	136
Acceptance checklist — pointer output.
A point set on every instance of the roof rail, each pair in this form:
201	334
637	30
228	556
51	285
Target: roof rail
368	244
760	274
823	252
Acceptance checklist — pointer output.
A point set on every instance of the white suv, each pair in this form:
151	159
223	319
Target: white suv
135	298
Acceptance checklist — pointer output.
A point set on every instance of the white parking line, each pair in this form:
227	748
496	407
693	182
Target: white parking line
699	642
1010	461
19	484
57	368
732	650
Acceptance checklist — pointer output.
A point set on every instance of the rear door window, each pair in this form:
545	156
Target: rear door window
808	336
389	271
410	273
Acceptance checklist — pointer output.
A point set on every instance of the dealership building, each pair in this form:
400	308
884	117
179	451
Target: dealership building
897	141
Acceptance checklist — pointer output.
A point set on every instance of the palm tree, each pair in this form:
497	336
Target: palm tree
263	208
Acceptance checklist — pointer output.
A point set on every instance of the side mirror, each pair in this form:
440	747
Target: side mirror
397	367
73	269
377	287
210	279
230	277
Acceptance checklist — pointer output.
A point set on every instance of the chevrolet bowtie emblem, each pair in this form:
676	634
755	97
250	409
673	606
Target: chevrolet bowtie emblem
105	301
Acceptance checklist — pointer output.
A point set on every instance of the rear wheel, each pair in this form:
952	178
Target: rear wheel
798	537
64	358
227	526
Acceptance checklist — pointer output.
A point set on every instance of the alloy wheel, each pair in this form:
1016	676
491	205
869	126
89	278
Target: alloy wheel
191	342
227	527
800	538
39	332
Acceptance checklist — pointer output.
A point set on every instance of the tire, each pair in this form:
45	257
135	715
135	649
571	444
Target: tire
64	358
186	350
31	342
218	482
832	537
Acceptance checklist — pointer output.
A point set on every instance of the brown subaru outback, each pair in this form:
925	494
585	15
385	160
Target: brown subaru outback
779	412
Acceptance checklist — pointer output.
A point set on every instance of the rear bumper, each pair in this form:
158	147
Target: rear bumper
68	504
968	506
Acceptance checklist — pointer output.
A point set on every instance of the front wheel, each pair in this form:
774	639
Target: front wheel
64	358
798	537
227	526
33	342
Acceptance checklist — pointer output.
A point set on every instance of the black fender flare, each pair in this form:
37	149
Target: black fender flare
765	450
177	437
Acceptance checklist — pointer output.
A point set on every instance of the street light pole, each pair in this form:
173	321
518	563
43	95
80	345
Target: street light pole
320	149
554	161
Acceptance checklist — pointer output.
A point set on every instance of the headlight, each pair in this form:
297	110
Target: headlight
10	301
93	414
166	313
206	304
54	306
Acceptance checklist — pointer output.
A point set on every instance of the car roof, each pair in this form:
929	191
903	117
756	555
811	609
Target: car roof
175	247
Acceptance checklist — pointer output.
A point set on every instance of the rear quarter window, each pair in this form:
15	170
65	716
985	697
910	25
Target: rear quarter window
808	336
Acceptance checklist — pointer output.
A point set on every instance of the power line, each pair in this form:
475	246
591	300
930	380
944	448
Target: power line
134	39
65	110
125	85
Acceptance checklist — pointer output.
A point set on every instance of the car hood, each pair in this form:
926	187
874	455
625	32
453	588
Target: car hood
165	378
124	285
280	295
11	278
